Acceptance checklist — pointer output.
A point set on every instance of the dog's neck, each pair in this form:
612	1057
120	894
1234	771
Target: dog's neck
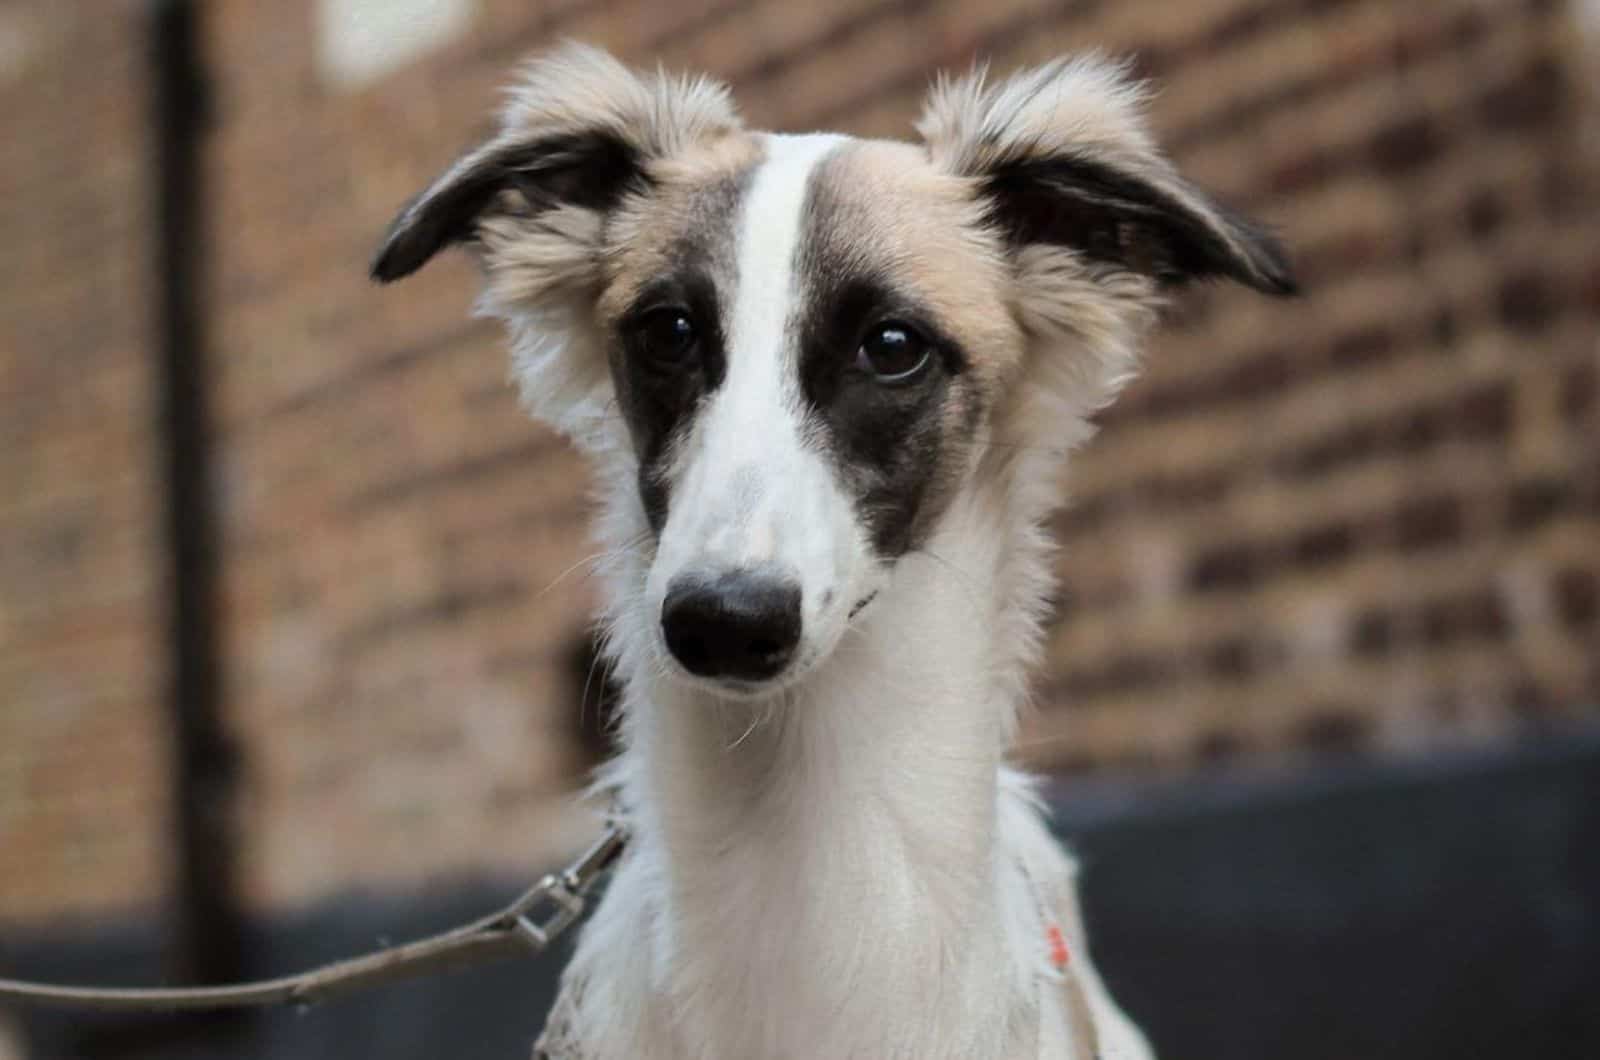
845	769
834	852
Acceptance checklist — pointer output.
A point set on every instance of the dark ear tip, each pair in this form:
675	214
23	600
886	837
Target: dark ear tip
1271	271
393	261
1280	284
419	231
382	270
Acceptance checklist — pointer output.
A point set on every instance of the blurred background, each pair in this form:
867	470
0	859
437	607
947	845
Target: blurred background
295	645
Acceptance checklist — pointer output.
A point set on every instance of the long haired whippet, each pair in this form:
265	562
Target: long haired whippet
827	384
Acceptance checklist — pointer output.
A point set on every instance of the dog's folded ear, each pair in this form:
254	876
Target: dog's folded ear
578	131
1062	156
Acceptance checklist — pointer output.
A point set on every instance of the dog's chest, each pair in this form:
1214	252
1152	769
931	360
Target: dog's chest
809	978
917	1029
801	962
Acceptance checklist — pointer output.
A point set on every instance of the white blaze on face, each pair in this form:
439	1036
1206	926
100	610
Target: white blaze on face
749	490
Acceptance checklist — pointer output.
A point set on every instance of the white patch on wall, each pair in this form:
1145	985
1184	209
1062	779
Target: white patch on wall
18	42
1589	18
359	41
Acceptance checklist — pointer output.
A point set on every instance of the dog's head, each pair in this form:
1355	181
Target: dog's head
797	348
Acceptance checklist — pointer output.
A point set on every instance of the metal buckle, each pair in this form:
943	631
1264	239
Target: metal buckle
567	906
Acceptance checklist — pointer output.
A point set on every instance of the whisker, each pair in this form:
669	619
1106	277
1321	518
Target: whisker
756	718
600	660
564	575
598	560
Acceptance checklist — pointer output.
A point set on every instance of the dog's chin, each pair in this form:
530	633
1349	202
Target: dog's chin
739	690
727	689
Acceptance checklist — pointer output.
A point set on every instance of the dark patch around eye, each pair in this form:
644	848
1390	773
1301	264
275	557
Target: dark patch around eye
841	311
897	449
889	446
658	400
695	293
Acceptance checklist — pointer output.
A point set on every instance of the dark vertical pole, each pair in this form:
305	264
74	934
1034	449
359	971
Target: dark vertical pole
209	926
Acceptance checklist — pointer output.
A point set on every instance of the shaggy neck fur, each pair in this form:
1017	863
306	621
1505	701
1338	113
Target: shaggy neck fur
840	871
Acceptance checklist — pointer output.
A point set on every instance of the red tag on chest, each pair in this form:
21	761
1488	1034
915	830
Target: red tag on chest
1059	954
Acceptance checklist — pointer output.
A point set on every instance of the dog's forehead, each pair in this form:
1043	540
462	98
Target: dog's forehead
880	210
834	205
700	202
688	217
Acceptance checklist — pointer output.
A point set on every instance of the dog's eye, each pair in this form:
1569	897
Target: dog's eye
894	352
666	335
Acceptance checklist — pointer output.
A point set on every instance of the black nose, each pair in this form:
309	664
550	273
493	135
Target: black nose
742	624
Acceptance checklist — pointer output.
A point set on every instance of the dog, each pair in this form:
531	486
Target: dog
827	385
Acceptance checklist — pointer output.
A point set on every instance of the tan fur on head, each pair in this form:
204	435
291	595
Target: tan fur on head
1084	103
579	89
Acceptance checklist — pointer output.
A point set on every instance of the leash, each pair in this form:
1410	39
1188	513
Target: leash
528	925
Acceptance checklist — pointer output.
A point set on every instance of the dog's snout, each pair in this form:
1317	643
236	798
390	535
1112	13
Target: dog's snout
741	624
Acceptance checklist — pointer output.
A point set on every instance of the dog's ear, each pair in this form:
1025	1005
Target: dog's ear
1063	159
577	133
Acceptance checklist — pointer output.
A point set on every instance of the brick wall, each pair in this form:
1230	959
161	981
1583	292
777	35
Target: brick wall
1364	520
1369	519
83	795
